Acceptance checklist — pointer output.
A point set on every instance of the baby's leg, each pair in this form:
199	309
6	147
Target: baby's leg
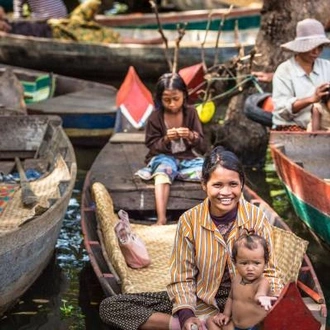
210	325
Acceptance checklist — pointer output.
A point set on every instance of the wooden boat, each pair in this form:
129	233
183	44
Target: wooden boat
87	108
99	61
195	19
110	186
213	4
28	234
302	164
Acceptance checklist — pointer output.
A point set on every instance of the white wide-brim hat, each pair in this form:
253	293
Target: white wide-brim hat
309	35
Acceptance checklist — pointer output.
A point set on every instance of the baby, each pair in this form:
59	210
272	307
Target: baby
248	301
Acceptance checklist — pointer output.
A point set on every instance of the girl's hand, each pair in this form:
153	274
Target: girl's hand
172	134
185	133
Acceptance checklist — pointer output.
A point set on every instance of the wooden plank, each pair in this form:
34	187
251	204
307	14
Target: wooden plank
128	138
117	176
88	100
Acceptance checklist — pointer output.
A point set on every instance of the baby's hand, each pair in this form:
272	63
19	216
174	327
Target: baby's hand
266	301
221	319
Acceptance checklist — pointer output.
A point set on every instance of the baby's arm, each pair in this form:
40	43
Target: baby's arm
262	296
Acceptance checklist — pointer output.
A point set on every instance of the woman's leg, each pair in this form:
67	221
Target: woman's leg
147	310
159	321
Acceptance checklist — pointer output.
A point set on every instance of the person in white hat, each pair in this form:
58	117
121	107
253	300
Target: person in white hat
303	79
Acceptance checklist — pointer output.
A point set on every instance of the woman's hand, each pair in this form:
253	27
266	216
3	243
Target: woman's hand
320	91
194	323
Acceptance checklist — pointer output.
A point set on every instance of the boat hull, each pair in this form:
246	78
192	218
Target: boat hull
302	165
28	252
87	108
100	62
27	246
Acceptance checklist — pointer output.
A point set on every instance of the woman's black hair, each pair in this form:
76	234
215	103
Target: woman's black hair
226	159
170	81
251	242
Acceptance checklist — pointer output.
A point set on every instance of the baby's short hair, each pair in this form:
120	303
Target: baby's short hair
251	241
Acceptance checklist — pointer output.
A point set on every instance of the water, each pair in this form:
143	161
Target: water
67	294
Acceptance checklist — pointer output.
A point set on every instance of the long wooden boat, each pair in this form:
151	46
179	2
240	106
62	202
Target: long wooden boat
112	174
302	164
28	234
100	61
87	108
213	4
246	18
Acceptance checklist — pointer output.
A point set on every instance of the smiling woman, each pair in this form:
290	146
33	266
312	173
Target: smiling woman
204	232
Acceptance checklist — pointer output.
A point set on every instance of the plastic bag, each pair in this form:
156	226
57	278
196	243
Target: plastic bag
132	246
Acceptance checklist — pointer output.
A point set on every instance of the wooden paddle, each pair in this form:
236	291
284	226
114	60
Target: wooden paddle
28	196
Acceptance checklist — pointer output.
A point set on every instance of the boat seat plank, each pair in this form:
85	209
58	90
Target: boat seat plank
138	137
88	100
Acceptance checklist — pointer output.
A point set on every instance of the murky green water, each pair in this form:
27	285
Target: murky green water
67	294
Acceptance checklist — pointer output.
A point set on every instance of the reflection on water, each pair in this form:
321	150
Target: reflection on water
67	294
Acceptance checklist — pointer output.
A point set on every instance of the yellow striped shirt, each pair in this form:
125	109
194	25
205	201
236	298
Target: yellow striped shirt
200	255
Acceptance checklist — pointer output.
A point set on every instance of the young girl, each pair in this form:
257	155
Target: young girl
249	300
173	131
320	120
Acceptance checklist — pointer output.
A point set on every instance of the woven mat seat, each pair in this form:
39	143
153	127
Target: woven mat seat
158	240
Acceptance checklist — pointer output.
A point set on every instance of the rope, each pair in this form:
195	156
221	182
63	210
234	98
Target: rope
248	78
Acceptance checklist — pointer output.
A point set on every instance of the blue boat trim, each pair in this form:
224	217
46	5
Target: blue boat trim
312	217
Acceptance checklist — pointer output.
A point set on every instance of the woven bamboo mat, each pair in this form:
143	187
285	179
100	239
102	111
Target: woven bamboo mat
289	252
158	240
15	214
